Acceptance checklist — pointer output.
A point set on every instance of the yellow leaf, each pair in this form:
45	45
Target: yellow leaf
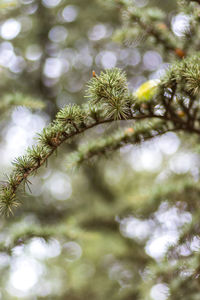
147	90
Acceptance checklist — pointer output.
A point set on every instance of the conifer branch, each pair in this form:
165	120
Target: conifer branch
148	23
36	156
19	99
131	135
173	101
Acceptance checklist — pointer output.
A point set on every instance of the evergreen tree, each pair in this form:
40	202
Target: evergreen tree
101	101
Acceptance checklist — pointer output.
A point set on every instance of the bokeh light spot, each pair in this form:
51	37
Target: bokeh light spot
10	29
58	34
50	3
159	291
70	13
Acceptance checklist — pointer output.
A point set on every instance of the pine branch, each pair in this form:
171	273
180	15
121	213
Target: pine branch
131	135
36	156
148	23
18	99
69	122
175	100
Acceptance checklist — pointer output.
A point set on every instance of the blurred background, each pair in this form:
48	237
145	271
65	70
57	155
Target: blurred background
102	231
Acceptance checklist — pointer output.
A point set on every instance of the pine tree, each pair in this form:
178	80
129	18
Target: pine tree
82	216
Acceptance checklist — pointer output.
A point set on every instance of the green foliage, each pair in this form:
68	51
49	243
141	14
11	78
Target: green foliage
131	135
71	115
8	200
186	75
110	90
148	24
18	99
105	229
